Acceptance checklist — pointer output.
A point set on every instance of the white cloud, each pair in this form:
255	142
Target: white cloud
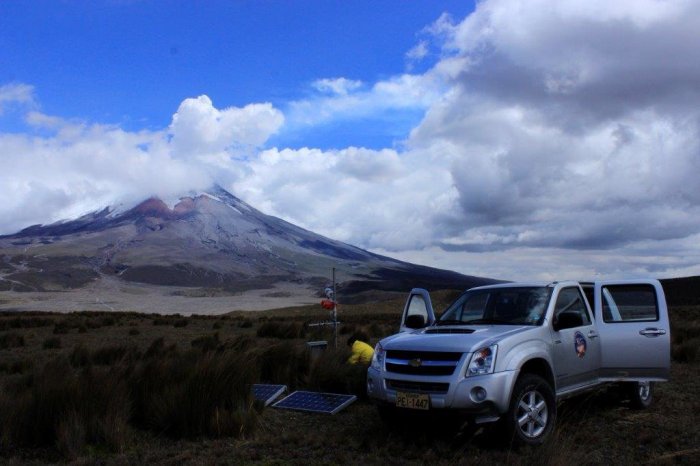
418	51
198	128
342	99
339	86
80	167
560	140
570	125
15	93
558	130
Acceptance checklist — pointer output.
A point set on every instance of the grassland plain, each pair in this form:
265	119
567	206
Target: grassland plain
127	388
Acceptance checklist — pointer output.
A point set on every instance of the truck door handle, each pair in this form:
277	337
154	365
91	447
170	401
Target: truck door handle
592	334
652	332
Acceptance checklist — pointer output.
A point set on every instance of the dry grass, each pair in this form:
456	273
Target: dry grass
180	394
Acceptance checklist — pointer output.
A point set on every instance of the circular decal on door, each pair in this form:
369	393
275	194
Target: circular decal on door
580	344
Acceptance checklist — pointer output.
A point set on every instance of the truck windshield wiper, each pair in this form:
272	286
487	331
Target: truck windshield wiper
489	321
449	322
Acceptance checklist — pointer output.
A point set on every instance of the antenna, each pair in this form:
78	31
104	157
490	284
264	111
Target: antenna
330	303
335	312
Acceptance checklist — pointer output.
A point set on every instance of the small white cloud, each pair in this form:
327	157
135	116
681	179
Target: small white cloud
41	120
418	52
337	86
16	93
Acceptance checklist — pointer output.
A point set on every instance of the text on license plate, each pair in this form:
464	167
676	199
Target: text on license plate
412	400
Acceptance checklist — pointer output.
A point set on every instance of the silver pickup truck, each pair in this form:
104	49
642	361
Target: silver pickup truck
509	352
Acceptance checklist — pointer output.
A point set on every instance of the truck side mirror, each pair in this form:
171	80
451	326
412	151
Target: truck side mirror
567	319
415	321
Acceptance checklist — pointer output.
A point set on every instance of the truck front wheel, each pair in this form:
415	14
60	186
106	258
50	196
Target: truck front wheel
641	394
532	412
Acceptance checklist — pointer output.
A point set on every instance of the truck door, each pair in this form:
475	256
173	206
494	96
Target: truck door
418	311
635	338
576	348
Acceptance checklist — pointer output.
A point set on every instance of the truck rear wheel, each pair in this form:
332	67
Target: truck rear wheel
641	394
532	413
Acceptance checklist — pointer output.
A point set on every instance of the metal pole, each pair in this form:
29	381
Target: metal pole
335	312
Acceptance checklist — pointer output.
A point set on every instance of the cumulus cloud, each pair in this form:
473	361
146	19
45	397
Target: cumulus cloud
71	167
570	125
559	140
366	197
561	127
200	128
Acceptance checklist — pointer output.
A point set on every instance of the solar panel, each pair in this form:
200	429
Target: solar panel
267	393
329	403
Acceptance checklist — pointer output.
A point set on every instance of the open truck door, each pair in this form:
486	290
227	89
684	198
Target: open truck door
418	311
632	320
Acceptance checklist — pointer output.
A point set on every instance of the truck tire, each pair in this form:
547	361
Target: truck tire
641	394
532	413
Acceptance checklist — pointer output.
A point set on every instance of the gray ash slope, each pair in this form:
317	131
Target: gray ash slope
209	240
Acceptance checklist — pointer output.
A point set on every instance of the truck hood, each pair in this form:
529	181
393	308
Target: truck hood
460	341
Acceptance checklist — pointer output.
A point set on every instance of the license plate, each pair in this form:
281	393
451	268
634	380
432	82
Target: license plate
412	400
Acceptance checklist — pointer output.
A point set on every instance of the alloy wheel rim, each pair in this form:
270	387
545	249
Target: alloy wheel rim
532	414
644	390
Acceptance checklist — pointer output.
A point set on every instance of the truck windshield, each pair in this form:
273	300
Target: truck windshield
507	306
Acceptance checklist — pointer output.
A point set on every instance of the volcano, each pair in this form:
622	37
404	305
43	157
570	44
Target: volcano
209	241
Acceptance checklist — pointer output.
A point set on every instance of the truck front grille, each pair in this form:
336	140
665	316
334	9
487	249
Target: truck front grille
422	362
425	387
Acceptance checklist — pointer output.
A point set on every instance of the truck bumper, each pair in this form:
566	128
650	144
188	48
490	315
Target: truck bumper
483	395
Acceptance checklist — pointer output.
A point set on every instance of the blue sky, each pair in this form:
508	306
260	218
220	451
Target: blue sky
515	139
132	62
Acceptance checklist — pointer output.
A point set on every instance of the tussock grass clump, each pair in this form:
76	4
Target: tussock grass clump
283	330
16	367
11	340
283	363
61	328
80	356
332	373
157	348
195	394
109	355
687	351
241	344
25	322
206	342
245	323
59	406
105	356
108	321
162	321
52	343
181	323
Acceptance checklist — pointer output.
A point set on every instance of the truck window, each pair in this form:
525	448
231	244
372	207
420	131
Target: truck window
571	301
506	306
629	303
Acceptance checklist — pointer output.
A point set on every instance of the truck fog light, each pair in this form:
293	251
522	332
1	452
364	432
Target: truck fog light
478	394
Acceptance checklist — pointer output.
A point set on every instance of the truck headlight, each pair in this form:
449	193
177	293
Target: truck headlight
482	361
378	357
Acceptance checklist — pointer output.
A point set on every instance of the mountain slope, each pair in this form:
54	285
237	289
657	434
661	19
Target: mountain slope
211	240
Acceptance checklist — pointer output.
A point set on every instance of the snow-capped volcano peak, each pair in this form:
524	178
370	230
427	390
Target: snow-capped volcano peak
211	239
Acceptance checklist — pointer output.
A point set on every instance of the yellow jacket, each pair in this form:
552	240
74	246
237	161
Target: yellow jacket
361	353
